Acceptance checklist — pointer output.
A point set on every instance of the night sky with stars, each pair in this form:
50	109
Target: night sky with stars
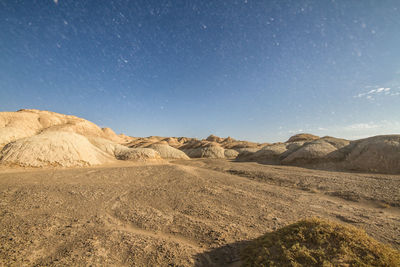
253	70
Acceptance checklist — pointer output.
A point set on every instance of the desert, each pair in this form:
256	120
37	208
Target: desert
73	194
200	133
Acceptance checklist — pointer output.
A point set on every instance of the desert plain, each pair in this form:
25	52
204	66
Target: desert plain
115	200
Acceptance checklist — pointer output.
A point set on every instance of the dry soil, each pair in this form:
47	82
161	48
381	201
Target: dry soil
178	213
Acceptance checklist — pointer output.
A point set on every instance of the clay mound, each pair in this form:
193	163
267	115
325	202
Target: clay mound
139	154
10	134
292	147
246	153
231	153
377	154
172	141
310	153
16	125
336	142
168	152
229	140
212	151
139	142
269	154
52	121
302	137
144	141
242	144
231	143
53	149
109	147
194	143
111	135
85	128
155	139
124	153
125	138
204	149
315	151
184	143
161	143
247	149
213	138
26	123
315	242
340	154
184	140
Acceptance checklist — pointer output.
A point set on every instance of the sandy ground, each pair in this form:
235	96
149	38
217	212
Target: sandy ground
178	213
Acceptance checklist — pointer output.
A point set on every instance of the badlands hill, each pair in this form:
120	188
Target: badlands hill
30	122
42	138
373	154
38	138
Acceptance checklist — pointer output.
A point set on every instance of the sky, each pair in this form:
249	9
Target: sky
253	70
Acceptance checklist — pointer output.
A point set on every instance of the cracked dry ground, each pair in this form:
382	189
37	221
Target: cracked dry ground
181	213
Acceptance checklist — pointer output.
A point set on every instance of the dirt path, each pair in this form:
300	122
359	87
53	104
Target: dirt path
186	213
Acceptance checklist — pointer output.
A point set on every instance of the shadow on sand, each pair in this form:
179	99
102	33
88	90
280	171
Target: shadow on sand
227	255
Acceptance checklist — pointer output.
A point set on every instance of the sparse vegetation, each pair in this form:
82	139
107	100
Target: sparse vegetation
316	242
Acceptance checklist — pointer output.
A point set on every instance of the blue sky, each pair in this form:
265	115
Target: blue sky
254	70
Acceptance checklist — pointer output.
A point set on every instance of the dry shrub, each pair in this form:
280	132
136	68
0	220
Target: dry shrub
316	242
